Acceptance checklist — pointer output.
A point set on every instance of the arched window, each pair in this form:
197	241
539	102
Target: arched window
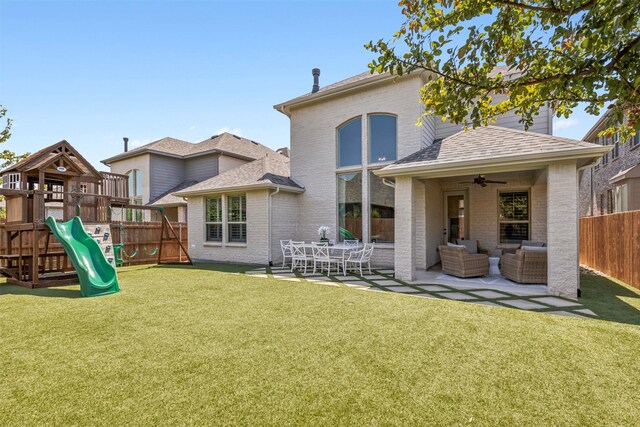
135	195
350	143
135	183
383	136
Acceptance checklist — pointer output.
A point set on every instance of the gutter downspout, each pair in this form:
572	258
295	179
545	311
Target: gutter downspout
269	224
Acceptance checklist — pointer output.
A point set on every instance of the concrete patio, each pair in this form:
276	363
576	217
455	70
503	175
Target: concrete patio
489	291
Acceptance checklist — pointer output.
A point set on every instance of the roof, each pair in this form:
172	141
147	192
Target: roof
225	143
167	198
492	145
61	150
364	79
632	172
598	126
271	171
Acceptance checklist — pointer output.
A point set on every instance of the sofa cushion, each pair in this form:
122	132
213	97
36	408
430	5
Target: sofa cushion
534	248
532	243
471	245
453	245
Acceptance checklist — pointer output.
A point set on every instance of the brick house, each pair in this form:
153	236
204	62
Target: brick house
358	162
613	184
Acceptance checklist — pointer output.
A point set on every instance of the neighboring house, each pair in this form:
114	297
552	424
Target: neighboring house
360	163
612	185
161	168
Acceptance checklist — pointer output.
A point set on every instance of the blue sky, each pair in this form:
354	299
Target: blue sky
92	72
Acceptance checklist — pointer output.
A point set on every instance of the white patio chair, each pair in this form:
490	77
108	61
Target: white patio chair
299	257
321	256
349	246
357	259
285	246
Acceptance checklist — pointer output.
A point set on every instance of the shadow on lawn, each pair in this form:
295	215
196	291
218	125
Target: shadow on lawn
39	292
210	266
610	300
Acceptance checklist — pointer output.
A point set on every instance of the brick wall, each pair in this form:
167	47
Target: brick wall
594	182
255	251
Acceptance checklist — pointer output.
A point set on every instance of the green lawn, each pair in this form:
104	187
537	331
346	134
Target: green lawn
197	345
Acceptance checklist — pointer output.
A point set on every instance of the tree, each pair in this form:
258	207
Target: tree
8	157
557	52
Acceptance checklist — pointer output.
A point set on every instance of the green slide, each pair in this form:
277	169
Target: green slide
97	276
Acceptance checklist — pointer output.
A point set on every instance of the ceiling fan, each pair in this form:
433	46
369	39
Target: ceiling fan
482	181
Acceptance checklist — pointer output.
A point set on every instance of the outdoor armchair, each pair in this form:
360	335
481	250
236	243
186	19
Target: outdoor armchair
456	261
321	257
357	259
299	257
285	246
525	266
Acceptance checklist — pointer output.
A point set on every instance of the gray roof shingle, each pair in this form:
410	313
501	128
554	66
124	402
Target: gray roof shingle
490	142
225	143
272	169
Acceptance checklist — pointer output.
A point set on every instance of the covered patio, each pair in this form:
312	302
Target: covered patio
499	187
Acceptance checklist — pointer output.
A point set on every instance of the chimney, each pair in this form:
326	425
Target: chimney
316	80
126	144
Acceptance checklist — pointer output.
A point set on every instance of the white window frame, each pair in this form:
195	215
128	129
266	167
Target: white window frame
364	168
207	222
511	221
369	145
11	181
243	207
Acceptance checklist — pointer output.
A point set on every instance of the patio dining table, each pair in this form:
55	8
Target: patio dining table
336	247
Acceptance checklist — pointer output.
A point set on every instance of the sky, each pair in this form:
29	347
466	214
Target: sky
93	72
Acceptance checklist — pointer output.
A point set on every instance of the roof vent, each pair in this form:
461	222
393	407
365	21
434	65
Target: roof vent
236	136
214	136
316	80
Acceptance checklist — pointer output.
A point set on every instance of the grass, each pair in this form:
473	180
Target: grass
199	345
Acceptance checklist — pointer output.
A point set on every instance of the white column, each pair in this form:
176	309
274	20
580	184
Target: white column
405	248
562	229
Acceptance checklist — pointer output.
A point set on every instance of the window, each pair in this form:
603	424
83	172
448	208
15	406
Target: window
513	210
135	214
381	209
213	219
382	138
237	218
135	183
350	143
611	207
350	205
616	146
622	198
635	141
605	158
11	181
83	188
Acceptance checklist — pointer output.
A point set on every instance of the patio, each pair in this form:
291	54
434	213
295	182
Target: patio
488	291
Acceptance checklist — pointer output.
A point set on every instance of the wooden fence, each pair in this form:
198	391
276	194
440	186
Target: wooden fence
141	242
611	244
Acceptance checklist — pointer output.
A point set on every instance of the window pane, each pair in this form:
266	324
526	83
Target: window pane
382	210
238	232
350	143
214	209
382	138
514	232
350	205
138	182
214	232
514	206
237	209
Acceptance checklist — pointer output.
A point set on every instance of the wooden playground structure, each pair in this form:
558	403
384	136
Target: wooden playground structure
58	180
